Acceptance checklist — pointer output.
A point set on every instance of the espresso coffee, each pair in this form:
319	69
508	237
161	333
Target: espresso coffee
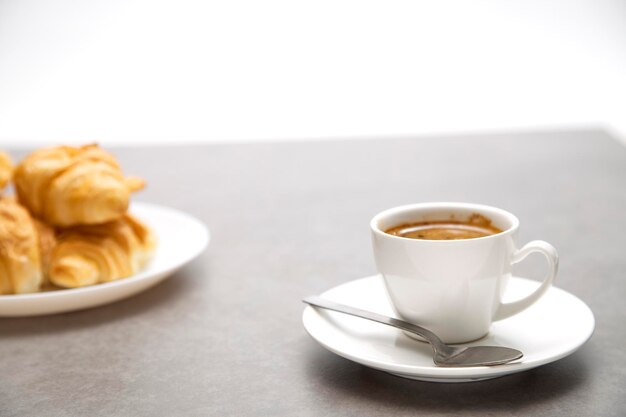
475	226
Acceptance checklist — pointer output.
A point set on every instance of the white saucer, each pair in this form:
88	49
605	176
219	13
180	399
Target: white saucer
180	238
554	327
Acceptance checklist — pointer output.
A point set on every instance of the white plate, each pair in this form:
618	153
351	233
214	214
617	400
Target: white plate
180	238
554	327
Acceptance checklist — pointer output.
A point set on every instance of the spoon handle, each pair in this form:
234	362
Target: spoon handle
436	343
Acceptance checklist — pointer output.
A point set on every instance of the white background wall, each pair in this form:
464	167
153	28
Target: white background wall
126	71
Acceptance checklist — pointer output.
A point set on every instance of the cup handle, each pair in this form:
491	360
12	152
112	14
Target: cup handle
509	309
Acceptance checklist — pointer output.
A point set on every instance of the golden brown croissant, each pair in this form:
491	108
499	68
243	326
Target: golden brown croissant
86	255
21	258
67	186
6	169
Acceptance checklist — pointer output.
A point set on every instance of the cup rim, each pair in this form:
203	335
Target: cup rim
443	204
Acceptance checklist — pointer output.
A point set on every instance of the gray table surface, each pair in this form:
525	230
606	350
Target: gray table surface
223	337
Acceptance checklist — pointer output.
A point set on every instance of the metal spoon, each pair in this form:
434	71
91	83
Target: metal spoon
445	355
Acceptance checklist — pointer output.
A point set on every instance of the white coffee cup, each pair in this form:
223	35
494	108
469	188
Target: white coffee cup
453	287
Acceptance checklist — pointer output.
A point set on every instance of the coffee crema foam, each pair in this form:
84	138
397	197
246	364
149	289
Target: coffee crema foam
475	226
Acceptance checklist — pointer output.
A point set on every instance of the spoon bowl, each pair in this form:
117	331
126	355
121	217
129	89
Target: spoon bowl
477	356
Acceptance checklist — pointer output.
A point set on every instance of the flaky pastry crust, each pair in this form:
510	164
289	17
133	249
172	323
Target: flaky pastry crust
67	186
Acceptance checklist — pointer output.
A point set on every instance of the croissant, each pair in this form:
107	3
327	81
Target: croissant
67	186
6	169
22	251
86	255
